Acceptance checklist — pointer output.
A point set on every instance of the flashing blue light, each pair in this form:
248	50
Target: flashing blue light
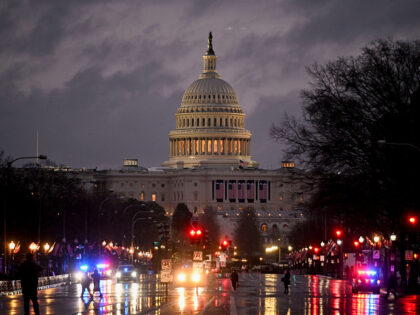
101	266
371	272
125	269
84	267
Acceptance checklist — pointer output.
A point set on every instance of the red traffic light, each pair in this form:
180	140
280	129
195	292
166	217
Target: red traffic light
192	232
356	243
198	232
412	220
316	249
225	243
338	233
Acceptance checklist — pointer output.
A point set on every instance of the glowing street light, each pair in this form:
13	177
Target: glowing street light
339	242
376	238
12	246
322	244
104	243
361	239
290	248
33	247
393	237
46	247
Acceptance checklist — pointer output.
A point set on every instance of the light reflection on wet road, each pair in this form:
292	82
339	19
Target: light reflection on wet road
257	294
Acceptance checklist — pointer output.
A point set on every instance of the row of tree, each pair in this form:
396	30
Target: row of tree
359	137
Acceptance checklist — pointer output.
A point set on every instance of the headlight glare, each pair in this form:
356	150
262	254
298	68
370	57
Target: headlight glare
78	276
181	277
133	274
118	274
195	277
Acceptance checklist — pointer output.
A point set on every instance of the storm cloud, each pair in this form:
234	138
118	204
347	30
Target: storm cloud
102	80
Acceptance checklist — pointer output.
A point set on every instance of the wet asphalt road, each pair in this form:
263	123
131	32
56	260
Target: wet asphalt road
257	294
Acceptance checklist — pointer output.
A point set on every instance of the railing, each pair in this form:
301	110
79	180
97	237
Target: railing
14	287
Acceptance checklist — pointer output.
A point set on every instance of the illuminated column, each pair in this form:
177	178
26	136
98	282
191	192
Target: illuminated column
193	146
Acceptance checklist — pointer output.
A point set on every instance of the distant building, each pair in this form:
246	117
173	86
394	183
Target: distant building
210	164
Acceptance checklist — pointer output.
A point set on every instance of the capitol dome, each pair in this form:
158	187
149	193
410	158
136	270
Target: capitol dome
210	124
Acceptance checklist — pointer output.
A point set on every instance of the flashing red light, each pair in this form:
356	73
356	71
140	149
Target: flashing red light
316	249
356	243
198	232
412	220
338	233
416	256
225	243
192	232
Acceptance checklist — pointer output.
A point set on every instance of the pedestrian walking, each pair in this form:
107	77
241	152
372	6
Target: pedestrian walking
96	282
286	281
391	286
234	278
28	274
85	282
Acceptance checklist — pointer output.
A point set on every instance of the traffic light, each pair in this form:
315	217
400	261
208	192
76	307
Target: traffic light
356	244
224	244
195	234
412	220
316	250
338	233
206	237
166	231
161	231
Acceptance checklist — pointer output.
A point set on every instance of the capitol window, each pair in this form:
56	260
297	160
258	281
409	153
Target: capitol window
203	122
215	146
215	122
209	122
154	197
142	196
198	122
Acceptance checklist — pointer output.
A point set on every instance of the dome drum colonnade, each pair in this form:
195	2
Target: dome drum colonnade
210	123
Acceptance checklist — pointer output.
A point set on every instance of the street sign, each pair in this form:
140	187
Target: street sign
322	258
198	266
198	256
166	264
165	276
207	264
409	255
376	254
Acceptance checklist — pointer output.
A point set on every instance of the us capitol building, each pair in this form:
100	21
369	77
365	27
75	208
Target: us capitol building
210	164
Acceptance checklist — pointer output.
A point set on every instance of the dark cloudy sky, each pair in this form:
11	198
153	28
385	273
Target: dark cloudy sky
102	80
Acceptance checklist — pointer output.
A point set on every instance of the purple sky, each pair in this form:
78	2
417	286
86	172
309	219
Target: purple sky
102	80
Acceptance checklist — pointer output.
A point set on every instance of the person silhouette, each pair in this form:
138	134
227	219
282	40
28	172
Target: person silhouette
234	278
96	282
85	282
28	274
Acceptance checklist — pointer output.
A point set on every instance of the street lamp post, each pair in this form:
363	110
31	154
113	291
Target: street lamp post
8	175
12	247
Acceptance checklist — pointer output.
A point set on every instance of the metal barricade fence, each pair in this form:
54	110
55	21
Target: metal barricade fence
13	286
